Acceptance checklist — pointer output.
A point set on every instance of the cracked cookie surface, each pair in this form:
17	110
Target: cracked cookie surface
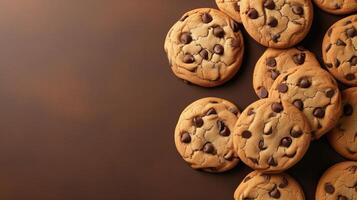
205	47
338	183
259	186
337	7
277	23
230	7
313	91
339	50
274	62
203	134
271	135
343	138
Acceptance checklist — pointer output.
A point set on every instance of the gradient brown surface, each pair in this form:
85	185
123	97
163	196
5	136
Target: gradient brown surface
88	103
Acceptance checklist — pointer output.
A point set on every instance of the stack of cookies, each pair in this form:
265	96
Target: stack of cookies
299	100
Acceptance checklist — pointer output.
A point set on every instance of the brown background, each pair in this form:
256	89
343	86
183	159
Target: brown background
88	103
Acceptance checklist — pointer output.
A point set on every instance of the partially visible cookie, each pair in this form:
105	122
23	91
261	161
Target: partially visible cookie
337	7
273	62
338	183
205	47
271	135
313	91
261	186
230	7
203	134
343	138
339	50
276	23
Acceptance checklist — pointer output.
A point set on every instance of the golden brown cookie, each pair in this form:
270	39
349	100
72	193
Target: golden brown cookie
338	183
271	135
337	7
205	47
203	134
276	23
230	7
339	50
273	62
343	138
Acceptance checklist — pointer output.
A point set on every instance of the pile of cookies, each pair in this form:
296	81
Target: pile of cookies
299	100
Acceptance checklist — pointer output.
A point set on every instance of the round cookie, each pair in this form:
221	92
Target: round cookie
337	7
261	186
230	7
339	50
343	138
205	47
203	134
338	183
271	135
273	62
275	23
313	91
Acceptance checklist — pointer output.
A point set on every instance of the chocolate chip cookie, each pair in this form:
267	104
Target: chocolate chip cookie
273	62
205	47
261	186
338	7
343	138
275	23
230	7
339	50
271	135
313	91
203	134
338	183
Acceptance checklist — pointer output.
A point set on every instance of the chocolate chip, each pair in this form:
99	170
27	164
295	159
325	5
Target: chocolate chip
351	32
272	162
298	10
185	38
328	47
269	4
250	112
272	22
263	93
353	60
286	142
197	121
235	26
337	6
275	193
277	107
234	110
185	138
188	58
341	197
275	37
218	32
295	133
330	93
319	112
252	13
271	62
347	110
204	54
304	83
350	77
299	104
218	49
340	43
282	88
254	160
206	18
261	145
274	74
337	63
329	188
211	111
299	58
208	148
223	129
328	65
246	134
284	182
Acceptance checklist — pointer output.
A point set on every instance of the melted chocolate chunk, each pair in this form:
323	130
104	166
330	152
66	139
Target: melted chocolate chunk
185	138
